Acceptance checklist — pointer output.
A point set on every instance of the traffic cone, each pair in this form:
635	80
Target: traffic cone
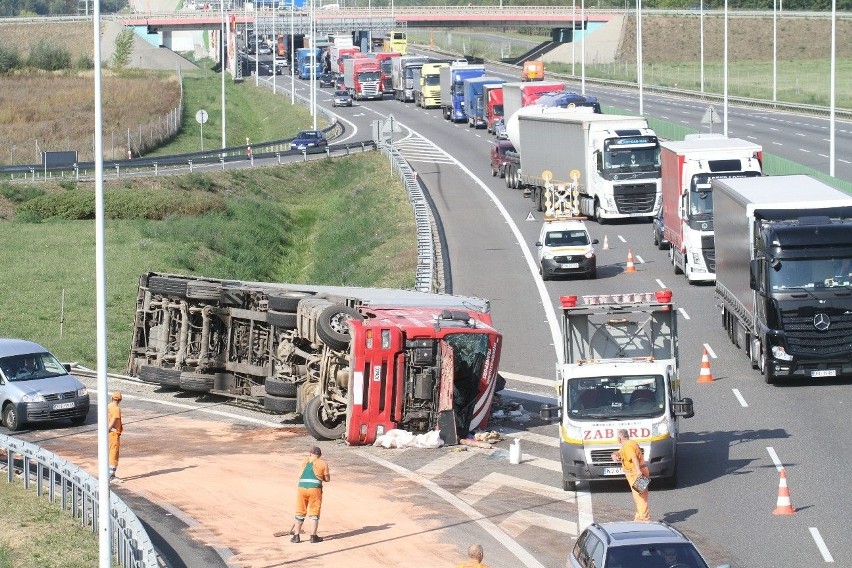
705	376
630	266
783	505
606	243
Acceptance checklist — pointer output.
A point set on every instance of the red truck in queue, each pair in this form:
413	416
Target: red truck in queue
362	78
354	362
493	95
343	54
384	58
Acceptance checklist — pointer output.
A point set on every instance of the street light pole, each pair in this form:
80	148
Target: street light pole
256	50
701	79
774	51
725	78
639	78
831	96
274	47
292	55
583	47
222	56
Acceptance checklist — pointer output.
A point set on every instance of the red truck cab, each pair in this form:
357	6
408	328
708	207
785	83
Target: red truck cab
420	369
384	58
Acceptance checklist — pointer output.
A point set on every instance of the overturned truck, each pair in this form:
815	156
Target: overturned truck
354	362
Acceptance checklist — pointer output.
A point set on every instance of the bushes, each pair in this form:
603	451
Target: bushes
119	204
10	59
17	193
44	55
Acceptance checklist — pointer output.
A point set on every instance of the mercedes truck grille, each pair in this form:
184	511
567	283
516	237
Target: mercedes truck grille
805	339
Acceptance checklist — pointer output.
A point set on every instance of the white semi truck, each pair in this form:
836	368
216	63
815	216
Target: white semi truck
620	372
617	159
688	166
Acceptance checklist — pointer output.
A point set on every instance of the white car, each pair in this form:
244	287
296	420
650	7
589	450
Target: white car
565	248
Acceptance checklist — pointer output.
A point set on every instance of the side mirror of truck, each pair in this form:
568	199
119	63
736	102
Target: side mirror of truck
754	272
683	408
538	244
549	412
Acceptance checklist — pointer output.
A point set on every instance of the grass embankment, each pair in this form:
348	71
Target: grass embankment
340	221
35	533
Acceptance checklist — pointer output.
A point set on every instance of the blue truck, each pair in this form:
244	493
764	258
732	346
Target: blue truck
303	62
452	89
474	98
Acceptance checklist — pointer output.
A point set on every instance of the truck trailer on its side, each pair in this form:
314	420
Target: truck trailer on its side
783	255
688	166
354	362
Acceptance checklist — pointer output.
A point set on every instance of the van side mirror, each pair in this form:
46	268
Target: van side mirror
595	241
67	367
549	412
684	408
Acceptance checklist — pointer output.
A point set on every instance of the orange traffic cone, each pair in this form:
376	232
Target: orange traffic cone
630	266
705	376
783	505
606	243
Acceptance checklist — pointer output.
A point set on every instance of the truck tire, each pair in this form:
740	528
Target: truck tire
166	286
287	301
11	419
675	267
196	382
318	426
159	375
200	290
332	328
282	320
765	368
280	387
598	217
279	404
507	175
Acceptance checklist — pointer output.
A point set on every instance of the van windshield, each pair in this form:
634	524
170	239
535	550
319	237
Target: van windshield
616	397
31	366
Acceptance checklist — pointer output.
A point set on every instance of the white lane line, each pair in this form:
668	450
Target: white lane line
822	155
800	134
710	350
529	380
639	259
444	463
844	161
774	457
804	150
488	526
620	238
778	143
683	313
740	398
196	408
752	137
775	129
542	439
823	549
660	283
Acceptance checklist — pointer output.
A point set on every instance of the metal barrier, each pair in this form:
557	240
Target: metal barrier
425	279
77	493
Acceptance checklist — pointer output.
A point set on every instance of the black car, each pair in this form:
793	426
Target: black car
327	79
307	139
659	235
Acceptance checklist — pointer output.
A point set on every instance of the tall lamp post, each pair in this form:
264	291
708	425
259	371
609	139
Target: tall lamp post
292	55
639	55
831	94
256	50
701	78
725	78
223	55
583	47
274	47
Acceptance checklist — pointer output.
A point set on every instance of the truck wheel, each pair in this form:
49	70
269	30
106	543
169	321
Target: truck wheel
754	352
507	176
539	200
282	320
598	217
287	301
280	387
569	485
11	418
493	172
279	404
318	425
765	367
332	327
675	267
196	382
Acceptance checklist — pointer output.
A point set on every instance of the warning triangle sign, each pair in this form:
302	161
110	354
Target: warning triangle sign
711	116
530	217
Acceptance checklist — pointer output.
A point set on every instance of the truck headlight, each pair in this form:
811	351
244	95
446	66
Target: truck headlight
33	397
778	352
660	428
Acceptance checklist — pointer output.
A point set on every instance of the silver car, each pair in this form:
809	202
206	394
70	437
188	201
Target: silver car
341	98
36	387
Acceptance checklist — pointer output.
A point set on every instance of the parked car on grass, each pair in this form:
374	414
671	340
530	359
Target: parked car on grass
36	387
307	139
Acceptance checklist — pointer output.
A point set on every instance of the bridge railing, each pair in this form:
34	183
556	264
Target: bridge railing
76	492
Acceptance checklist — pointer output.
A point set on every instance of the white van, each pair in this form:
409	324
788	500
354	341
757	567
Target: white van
565	248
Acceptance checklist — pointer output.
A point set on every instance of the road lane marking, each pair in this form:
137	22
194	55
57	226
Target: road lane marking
519	521
660	283
823	549
710	350
533	437
488	526
683	313
740	398
774	457
804	150
528	379
778	143
495	481
444	463
800	134
620	238
639	259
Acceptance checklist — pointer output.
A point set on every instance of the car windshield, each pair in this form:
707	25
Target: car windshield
308	135
31	366
682	555
341	93
616	397
566	238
